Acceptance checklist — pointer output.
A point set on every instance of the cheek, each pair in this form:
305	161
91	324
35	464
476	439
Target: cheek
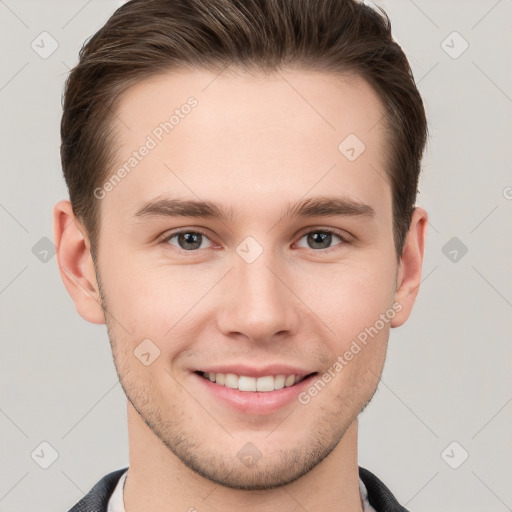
144	299
161	303
350	297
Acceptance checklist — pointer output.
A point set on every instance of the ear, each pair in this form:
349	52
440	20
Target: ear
75	263
409	269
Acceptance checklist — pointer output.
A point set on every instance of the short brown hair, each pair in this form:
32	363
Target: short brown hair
144	38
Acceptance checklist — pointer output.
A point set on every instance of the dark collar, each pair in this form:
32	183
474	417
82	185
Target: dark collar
379	496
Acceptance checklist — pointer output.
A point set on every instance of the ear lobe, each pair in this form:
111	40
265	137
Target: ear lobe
410	266
75	263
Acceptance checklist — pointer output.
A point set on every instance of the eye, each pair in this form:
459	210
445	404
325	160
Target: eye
321	239
191	241
187	240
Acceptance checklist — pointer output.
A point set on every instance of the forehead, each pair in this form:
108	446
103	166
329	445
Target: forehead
277	135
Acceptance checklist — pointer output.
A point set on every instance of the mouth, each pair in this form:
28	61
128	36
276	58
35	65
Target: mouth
263	384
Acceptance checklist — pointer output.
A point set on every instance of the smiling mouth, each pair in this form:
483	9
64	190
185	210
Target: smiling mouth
265	383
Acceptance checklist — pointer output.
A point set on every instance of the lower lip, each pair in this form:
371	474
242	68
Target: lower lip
255	402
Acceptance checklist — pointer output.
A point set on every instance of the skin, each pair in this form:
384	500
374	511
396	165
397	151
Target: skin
254	145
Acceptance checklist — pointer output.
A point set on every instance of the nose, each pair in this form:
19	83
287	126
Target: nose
257	301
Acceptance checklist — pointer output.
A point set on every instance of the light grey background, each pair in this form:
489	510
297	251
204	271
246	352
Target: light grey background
448	373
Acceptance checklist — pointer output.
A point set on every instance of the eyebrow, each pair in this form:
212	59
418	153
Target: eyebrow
322	206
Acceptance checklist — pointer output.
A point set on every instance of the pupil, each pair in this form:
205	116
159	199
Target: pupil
188	239
319	237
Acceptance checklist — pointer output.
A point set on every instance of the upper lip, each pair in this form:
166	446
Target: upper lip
251	371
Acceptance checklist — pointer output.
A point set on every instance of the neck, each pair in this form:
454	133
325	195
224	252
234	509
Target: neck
158	481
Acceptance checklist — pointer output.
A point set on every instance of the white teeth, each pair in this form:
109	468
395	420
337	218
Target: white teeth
245	383
265	383
279	381
290	380
231	381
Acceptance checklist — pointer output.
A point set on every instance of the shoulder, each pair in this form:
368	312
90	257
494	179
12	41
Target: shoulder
96	500
379	496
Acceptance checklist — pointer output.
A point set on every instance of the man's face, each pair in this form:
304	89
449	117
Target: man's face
259	292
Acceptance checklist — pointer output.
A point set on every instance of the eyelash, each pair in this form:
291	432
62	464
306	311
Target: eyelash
202	233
